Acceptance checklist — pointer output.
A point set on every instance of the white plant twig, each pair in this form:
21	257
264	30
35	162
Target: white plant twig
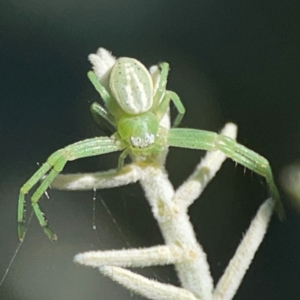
169	207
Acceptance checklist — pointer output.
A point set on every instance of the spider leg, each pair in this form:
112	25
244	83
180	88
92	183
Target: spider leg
99	115
162	97
164	105
121	160
98	112
99	87
211	141
164	71
55	164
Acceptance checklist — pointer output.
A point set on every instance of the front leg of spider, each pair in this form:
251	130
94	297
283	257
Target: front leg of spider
53	166
211	141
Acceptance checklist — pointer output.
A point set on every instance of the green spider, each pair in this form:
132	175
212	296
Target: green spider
135	103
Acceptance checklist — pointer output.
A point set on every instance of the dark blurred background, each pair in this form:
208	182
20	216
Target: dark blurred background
230	61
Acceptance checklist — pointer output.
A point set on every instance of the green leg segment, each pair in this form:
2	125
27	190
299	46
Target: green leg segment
55	164
162	84
210	141
99	87
122	157
100	115
165	104
162	97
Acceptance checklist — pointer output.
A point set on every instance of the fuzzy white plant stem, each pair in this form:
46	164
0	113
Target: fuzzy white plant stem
143	286
177	230
239	264
143	257
100	180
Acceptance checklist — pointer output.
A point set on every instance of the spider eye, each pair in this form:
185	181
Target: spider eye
142	142
149	139
136	141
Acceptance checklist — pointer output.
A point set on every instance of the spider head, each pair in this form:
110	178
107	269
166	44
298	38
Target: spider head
139	131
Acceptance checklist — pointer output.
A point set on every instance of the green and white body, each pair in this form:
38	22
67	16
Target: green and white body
136	101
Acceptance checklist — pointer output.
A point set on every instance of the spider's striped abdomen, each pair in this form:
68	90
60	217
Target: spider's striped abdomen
131	85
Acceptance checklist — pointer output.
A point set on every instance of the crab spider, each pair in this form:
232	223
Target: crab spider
136	101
